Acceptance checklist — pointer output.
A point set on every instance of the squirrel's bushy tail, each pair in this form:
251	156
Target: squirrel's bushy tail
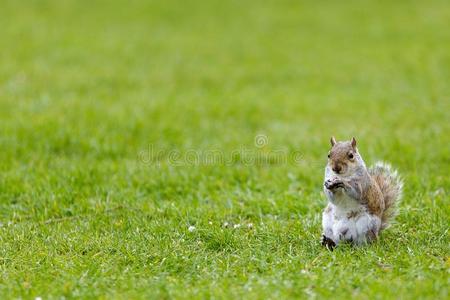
391	186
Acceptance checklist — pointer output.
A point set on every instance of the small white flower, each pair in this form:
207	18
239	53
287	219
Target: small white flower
210	223
226	224
38	298
191	228
236	226
250	226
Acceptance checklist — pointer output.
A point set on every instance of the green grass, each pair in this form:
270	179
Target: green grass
90	90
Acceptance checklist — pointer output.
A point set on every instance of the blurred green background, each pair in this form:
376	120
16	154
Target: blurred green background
88	87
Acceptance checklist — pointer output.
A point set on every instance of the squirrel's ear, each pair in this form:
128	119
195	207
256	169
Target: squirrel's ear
332	141
353	142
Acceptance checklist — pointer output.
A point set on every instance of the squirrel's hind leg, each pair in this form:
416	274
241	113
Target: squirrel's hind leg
327	225
368	228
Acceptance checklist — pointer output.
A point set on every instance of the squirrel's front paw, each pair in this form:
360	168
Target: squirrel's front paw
333	184
328	243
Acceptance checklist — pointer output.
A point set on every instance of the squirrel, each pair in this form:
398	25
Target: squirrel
361	201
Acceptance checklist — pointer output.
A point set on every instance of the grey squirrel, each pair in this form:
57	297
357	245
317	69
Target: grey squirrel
361	201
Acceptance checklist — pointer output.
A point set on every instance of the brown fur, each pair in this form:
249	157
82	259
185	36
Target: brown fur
339	154
390	186
374	199
352	214
340	150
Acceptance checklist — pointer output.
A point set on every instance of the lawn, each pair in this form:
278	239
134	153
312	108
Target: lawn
176	149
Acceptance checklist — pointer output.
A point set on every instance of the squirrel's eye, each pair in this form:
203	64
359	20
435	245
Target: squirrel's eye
350	155
329	155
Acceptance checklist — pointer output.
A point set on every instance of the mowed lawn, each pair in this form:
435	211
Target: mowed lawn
109	111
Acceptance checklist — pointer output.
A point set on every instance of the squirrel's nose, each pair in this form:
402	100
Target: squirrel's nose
337	168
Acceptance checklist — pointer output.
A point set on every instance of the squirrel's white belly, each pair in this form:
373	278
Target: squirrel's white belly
348	220
355	229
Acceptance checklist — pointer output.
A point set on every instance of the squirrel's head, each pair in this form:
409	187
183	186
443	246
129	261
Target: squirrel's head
344	157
